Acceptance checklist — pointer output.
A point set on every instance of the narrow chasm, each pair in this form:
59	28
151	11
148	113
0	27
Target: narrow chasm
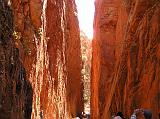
51	68
86	51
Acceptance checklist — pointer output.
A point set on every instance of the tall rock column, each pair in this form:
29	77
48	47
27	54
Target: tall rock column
103	61
73	60
65	46
44	46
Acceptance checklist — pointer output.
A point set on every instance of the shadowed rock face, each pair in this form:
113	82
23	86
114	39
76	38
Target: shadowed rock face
125	65
15	90
46	37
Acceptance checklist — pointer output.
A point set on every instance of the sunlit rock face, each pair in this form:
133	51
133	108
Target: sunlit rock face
44	43
103	57
64	53
125	65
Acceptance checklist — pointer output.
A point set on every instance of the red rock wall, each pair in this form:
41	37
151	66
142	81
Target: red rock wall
73	60
66	45
15	90
103	61
125	66
47	37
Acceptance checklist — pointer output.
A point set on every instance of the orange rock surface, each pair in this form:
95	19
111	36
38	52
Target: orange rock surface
47	38
125	65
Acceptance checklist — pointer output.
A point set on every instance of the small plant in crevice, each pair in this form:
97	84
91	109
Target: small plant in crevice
86	66
25	45
17	36
38	33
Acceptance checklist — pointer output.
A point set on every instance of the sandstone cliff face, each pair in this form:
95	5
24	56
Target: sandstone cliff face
125	66
73	59
15	90
45	35
103	57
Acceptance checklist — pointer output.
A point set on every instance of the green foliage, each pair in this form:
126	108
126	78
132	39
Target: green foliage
86	59
23	40
40	31
16	35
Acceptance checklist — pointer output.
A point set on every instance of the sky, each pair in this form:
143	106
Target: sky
85	15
